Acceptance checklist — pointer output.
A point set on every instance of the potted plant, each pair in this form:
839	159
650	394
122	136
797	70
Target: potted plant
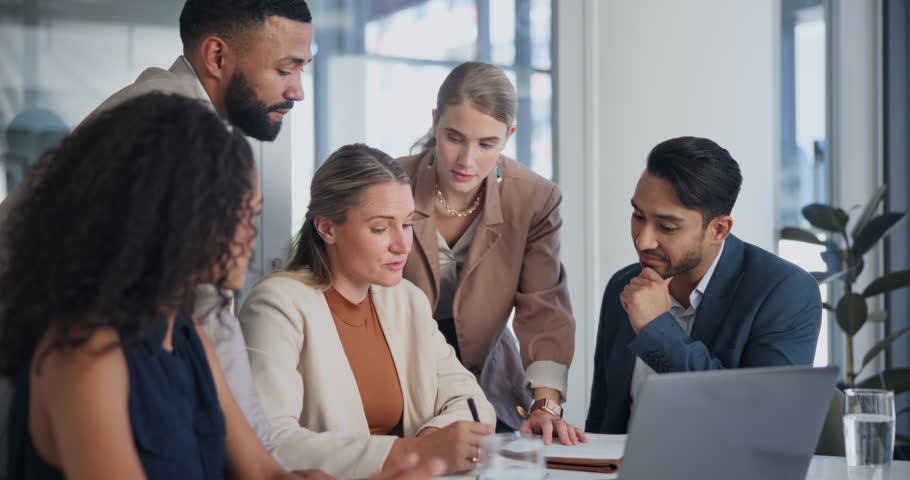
843	256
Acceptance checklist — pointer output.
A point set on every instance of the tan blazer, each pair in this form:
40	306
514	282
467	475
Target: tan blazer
309	391
513	262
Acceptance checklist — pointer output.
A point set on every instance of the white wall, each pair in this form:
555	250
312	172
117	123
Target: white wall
632	74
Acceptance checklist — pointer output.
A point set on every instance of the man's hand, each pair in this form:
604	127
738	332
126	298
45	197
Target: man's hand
645	298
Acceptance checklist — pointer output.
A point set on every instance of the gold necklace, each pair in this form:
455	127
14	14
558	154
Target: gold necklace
463	213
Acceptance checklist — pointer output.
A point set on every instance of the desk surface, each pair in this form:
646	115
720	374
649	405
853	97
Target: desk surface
821	468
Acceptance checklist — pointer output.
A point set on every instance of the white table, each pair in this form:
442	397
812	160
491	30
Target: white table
821	468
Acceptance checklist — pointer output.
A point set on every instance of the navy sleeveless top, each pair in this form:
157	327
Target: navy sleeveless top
174	412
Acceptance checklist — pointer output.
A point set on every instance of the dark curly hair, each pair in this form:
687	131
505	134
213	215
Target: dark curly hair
119	223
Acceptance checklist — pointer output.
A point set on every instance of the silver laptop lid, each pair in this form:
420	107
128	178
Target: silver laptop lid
741	424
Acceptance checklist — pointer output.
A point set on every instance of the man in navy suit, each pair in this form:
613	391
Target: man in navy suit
699	298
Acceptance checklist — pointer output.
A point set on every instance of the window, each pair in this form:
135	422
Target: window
380	63
804	172
60	59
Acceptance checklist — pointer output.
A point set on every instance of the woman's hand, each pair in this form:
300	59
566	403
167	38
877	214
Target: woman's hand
407	468
546	424
457	444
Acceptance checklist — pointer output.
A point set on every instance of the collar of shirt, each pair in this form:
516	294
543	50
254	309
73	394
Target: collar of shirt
204	94
198	83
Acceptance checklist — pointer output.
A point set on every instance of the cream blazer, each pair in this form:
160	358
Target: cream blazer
308	389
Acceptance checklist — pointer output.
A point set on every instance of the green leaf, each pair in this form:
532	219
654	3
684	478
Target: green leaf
881	345
869	210
851	313
826	217
888	282
877	228
896	379
800	235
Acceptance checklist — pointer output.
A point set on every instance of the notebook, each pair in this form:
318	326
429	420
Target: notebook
602	454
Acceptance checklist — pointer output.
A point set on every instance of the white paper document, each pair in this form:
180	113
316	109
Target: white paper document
599	447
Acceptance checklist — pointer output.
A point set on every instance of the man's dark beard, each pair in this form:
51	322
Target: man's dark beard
690	261
248	113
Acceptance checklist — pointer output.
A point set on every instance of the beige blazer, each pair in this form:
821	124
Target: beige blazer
308	389
513	262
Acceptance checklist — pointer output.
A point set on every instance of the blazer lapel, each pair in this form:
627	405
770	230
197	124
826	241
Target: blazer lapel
713	308
344	385
487	233
424	185
398	347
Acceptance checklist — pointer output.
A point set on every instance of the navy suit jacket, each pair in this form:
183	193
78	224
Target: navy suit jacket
758	310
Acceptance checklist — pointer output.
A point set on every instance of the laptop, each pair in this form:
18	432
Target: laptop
742	424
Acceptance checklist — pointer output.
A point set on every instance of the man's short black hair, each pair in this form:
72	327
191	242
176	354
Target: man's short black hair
704	174
230	18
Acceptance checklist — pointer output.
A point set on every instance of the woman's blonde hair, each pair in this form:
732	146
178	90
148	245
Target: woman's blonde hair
337	187
480	85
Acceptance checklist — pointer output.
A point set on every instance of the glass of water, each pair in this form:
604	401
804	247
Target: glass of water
511	456
868	432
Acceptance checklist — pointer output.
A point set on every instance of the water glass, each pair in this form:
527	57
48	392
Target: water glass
869	432
511	456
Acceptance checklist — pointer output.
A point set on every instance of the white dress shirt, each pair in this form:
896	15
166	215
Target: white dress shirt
684	316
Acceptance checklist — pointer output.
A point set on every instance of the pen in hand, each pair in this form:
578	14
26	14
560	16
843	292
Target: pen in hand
473	408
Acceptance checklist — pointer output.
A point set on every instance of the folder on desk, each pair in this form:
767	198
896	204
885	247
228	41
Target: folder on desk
584	464
601	454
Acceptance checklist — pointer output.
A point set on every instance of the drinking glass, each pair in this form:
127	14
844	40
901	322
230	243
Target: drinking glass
869	432
511	456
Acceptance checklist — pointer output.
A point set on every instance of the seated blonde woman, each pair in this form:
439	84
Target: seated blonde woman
353	372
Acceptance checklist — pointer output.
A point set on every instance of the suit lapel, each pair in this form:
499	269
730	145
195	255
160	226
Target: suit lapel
713	308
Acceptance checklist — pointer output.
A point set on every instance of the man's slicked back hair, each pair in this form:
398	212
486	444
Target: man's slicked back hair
704	175
229	19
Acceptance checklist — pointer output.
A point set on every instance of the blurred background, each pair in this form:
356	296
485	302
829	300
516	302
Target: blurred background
810	96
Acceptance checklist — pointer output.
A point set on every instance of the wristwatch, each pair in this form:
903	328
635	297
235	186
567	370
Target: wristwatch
544	404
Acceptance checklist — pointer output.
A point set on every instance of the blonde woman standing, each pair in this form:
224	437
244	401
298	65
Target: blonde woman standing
487	242
353	374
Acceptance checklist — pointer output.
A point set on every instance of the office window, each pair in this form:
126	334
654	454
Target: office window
60	59
804	172
380	63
